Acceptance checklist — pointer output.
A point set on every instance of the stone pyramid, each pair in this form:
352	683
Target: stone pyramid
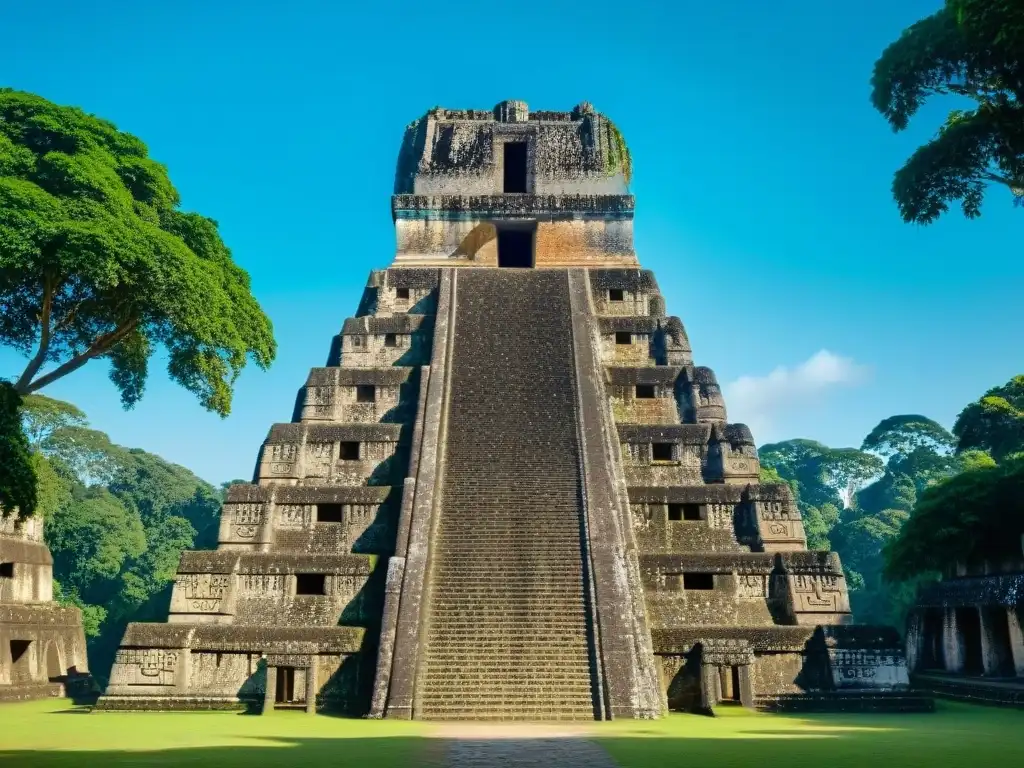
510	494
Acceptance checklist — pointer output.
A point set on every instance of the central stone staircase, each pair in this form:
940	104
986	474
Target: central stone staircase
508	632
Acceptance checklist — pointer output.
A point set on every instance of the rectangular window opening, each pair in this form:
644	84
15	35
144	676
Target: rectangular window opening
515	248
390	339
623	337
515	166
698	581
401	293
349	451
645	392
661	451
328	513
6	570
310	584
684	512
366	393
616	294
357	341
284	691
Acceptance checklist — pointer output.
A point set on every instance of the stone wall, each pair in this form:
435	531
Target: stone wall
42	645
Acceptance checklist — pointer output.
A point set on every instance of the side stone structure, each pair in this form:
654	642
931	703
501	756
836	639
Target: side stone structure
965	636
42	645
510	493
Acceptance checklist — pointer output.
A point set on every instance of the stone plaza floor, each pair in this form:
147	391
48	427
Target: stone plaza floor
53	734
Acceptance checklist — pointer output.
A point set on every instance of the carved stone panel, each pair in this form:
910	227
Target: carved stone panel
145	666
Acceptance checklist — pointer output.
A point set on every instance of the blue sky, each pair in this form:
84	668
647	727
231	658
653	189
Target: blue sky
762	180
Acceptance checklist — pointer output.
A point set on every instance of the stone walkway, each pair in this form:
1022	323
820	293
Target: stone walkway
480	745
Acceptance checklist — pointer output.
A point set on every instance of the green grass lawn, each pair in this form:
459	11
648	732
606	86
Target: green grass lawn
50	734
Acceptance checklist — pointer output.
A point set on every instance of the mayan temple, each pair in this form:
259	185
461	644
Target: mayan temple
510	494
42	644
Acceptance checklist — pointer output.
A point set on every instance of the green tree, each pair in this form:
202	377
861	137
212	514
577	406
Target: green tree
971	516
972	50
995	422
18	493
97	261
860	541
42	415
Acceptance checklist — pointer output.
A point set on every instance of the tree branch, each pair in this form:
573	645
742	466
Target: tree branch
21	386
98	347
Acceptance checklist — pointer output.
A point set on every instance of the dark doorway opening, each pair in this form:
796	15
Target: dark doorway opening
285	693
401	293
616	294
661	451
328	513
515	166
645	392
310	584
348	450
623	337
366	393
729	677
6	570
698	581
1001	652
21	670
931	652
969	625
515	248
684	512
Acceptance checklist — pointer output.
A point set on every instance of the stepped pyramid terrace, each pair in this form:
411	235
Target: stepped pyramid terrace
510	493
42	644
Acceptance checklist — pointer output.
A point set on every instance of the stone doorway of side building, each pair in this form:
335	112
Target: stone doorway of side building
517	245
290	689
730	686
22	661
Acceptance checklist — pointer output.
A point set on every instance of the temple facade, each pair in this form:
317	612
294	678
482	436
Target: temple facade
965	636
42	645
510	493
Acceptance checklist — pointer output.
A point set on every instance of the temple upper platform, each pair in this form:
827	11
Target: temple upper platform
507	187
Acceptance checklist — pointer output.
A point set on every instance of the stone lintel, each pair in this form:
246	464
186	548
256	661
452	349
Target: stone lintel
485	207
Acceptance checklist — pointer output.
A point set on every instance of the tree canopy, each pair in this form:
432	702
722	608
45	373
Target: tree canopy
995	422
975	515
971	50
98	261
17	475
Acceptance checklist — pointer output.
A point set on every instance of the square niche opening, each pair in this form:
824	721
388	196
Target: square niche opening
698	581
401	293
623	337
366	393
310	584
390	339
685	512
348	450
328	513
661	451
645	392
616	294
6	570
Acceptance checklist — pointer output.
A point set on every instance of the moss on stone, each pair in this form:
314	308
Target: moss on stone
616	156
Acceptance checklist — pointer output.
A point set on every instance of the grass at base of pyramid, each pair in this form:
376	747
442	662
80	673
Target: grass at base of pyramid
53	734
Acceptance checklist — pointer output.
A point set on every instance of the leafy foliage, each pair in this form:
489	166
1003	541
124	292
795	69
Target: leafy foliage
974	515
970	49
18	494
117	520
995	422
97	261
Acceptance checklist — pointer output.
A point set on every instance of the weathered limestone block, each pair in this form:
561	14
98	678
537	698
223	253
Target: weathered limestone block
42	645
359	395
402	340
349	454
731	455
780	527
814	587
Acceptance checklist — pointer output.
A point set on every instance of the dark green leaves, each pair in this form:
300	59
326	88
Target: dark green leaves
995	422
973	50
97	261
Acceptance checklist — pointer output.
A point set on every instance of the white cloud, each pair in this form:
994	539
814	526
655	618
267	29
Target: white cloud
759	400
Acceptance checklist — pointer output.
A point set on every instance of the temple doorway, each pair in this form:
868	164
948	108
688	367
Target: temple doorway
729	677
515	167
931	642
997	625
968	622
21	661
515	248
285	692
